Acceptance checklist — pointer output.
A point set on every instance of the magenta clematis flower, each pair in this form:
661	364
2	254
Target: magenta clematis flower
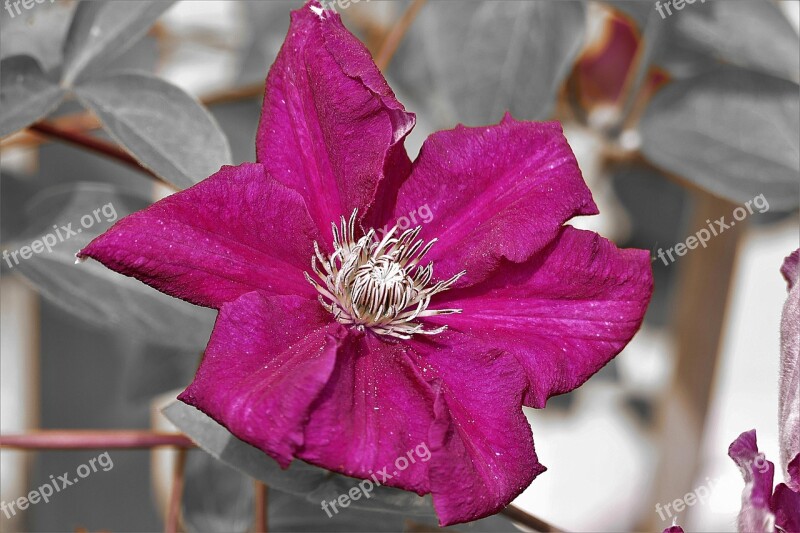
346	345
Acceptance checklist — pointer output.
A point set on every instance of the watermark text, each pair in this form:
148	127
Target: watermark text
57	484
61	234
365	488
702	236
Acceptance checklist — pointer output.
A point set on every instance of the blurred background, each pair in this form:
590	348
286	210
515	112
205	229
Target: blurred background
675	119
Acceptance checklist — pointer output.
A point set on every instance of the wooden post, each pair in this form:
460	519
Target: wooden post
699	311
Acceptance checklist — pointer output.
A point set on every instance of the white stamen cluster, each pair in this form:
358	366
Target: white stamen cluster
378	283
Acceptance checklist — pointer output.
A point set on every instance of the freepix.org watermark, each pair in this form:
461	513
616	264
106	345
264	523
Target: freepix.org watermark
677	4
12	6
701	493
702	236
366	487
343	4
57	484
409	220
61	234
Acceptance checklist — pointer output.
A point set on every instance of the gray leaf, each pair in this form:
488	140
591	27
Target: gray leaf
164	128
637	10
38	32
89	290
26	93
489	57
216	497
101	31
300	479
229	507
749	34
288	512
735	133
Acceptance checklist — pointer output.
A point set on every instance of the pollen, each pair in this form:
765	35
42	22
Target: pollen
378	284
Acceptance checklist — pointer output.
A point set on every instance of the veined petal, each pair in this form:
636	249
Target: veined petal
563	314
330	128
494	192
481	442
793	473
755	515
791	268
375	410
786	506
786	498
789	393
267	360
230	234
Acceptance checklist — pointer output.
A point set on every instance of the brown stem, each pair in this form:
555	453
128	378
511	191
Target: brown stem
93	144
261	495
395	37
514	513
93	439
245	92
134	439
174	509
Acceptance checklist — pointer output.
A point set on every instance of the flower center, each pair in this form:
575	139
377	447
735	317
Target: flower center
378	283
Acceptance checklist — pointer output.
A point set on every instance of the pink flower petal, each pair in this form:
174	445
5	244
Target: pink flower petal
266	362
494	192
564	314
789	394
791	268
331	128
233	233
793	471
786	505
755	515
483	455
786	499
375	409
